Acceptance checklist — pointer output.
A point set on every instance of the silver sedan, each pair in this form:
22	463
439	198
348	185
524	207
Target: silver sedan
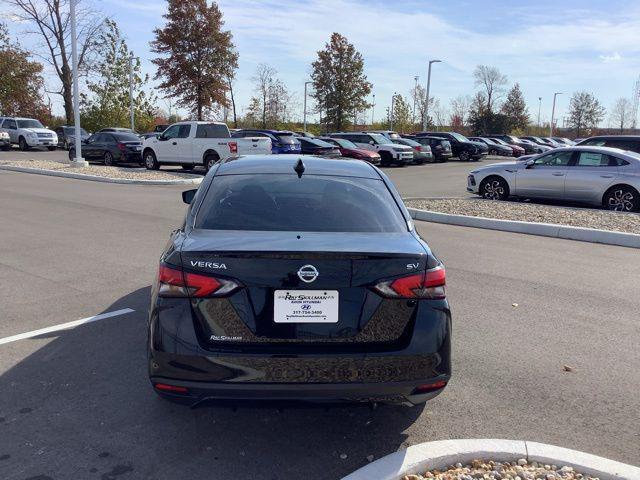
594	175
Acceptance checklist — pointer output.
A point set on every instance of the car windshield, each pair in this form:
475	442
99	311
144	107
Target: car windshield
343	142
379	139
459	137
72	131
406	141
316	142
29	123
498	141
126	137
311	203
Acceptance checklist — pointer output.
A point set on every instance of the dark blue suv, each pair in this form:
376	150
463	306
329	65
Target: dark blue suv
282	141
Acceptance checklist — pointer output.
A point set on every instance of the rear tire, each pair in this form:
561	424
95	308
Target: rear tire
621	198
494	188
210	160
109	161
385	159
22	144
150	161
464	156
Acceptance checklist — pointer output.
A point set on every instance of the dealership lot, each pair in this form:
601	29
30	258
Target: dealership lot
77	403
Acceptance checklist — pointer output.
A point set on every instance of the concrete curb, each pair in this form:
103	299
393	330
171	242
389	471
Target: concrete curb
438	455
95	178
592	235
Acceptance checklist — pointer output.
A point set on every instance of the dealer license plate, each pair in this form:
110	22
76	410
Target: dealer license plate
305	306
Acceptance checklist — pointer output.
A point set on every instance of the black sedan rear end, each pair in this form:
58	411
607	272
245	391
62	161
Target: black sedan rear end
298	279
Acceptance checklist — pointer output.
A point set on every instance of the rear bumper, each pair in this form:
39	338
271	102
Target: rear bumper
281	372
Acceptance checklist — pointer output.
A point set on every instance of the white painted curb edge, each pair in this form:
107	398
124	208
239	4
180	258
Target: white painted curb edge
438	455
95	178
592	235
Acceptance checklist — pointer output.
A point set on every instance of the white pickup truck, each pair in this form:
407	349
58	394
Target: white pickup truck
191	144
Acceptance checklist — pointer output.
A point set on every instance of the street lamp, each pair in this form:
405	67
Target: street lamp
393	98
539	106
304	114
133	123
426	107
415	95
78	161
553	112
373	106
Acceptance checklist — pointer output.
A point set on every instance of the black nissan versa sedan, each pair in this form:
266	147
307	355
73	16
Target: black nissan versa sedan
298	278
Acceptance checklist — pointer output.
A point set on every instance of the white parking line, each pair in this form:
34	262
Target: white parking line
64	326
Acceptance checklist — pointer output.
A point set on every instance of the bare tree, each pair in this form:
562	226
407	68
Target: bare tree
492	82
52	23
622	113
460	109
264	79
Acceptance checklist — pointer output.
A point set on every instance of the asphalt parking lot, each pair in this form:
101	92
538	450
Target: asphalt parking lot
77	403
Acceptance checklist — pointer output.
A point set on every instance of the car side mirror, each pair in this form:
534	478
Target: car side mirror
371	142
187	196
529	163
162	138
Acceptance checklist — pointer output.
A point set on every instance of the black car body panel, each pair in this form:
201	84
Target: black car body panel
440	147
122	146
461	147
231	346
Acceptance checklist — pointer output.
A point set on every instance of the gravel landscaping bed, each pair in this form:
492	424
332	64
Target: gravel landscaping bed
490	470
128	173
525	212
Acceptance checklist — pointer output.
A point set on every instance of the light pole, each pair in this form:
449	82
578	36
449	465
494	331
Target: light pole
415	94
304	114
393	98
78	161
133	122
373	106
553	112
426	107
539	107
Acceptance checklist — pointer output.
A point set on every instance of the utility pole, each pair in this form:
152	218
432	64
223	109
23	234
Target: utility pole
133	123
415	94
373	106
304	114
426	107
553	112
78	161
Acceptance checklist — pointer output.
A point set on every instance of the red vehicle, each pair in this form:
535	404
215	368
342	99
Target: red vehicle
350	149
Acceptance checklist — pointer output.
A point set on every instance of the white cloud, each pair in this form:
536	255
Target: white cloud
614	57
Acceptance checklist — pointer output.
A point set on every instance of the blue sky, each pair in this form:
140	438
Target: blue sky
546	46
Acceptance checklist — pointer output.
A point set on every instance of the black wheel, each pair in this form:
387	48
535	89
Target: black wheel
622	199
187	167
150	161
109	161
210	160
464	156
72	154
22	144
493	152
494	188
385	159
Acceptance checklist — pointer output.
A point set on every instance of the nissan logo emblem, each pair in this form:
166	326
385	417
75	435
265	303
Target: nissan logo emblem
308	273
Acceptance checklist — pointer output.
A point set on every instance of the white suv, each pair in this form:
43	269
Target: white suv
390	153
28	133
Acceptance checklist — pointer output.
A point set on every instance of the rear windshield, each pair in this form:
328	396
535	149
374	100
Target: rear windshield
286	138
309	204
212	130
126	137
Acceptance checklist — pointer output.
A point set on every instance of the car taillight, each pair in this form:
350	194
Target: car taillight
176	283
428	284
417	149
233	147
122	147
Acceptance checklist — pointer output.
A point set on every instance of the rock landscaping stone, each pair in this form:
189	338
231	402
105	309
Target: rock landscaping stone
530	212
491	470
